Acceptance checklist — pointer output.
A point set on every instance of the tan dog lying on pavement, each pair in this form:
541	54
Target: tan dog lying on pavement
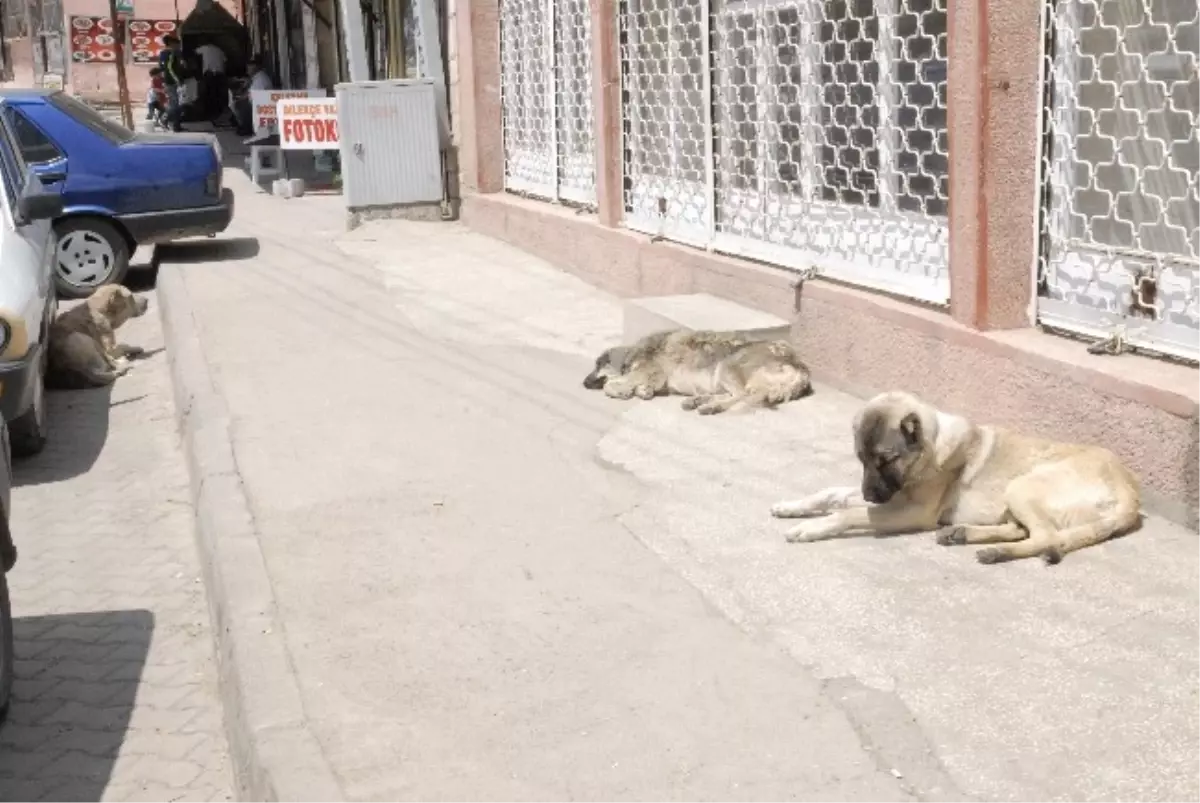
923	468
718	370
84	351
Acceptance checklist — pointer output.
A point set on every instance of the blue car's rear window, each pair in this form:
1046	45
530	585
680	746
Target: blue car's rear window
84	114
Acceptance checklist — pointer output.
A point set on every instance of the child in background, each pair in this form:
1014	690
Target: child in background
156	95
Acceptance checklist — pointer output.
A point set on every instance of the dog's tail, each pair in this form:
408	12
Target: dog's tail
783	383
1124	516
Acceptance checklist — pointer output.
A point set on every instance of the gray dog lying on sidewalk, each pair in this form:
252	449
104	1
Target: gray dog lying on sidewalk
717	370
84	352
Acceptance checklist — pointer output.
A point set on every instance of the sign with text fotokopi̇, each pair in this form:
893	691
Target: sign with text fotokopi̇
266	101
308	124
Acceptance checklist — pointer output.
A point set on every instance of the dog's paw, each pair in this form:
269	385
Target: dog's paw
691	403
644	392
991	555
787	510
951	536
618	390
709	409
809	531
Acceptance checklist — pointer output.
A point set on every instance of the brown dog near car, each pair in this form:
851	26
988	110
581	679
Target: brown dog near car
984	485
718	370
84	352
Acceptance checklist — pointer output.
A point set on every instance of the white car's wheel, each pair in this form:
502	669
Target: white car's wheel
91	254
28	432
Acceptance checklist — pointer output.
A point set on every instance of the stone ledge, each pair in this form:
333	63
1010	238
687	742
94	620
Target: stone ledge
644	316
1143	409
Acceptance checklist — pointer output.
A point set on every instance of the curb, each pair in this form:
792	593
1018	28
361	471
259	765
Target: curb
275	755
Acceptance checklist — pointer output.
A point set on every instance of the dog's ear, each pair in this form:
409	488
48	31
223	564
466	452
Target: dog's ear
108	299
910	428
618	358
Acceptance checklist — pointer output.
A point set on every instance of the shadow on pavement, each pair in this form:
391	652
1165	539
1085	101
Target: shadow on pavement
78	421
209	249
77	678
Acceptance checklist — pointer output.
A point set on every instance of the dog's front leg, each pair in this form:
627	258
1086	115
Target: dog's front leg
643	384
901	516
836	498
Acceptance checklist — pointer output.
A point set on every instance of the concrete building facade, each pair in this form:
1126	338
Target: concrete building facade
954	197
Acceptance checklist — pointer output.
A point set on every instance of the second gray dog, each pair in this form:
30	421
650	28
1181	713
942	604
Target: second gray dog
717	370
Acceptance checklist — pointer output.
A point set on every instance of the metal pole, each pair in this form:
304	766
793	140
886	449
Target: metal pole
118	27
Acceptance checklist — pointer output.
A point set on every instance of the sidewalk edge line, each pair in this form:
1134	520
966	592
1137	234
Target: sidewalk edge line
275	755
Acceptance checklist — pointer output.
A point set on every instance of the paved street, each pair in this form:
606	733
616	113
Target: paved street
115	694
495	584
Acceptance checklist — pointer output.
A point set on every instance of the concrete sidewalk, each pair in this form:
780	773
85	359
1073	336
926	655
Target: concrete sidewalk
483	581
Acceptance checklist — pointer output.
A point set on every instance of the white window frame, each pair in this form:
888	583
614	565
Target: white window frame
1075	254
680	223
886	228
549	184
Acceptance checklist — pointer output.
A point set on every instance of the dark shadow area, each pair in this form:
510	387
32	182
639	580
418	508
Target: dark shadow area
76	683
209	249
144	278
78	423
143	270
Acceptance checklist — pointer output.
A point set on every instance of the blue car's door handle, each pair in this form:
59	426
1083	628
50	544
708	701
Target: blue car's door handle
52	172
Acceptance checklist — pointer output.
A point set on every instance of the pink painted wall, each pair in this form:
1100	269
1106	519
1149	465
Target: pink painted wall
99	81
19	52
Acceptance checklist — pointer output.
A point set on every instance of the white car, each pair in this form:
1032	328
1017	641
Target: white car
27	298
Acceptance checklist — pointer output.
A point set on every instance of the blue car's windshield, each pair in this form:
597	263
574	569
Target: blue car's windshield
82	113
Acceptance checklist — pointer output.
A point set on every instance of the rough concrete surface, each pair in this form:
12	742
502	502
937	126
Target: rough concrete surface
115	694
495	584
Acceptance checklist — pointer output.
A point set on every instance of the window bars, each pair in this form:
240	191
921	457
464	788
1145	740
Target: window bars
808	133
1120	254
546	91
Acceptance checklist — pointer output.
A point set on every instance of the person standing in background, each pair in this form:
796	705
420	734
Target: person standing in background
174	72
215	87
243	110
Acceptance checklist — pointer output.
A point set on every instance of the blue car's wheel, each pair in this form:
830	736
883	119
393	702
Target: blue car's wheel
91	254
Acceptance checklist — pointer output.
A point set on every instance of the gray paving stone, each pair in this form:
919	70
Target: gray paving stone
115	696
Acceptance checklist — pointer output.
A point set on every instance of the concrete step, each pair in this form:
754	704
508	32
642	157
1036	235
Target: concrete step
644	316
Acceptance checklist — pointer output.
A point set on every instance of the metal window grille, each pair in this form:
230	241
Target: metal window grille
546	89
1120	206
808	133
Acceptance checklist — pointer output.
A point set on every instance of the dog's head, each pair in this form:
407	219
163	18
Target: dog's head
118	304
610	363
894	438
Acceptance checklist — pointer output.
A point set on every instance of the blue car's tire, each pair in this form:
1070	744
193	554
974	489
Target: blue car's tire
92	252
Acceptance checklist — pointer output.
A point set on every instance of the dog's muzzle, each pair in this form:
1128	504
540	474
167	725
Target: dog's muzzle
878	489
594	382
141	306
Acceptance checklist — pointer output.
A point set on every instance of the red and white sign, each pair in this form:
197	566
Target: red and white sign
308	124
146	39
266	101
93	40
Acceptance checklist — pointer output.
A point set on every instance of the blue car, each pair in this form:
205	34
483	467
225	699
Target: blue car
120	189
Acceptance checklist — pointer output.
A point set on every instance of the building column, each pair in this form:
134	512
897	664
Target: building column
480	125
995	104
355	42
606	111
